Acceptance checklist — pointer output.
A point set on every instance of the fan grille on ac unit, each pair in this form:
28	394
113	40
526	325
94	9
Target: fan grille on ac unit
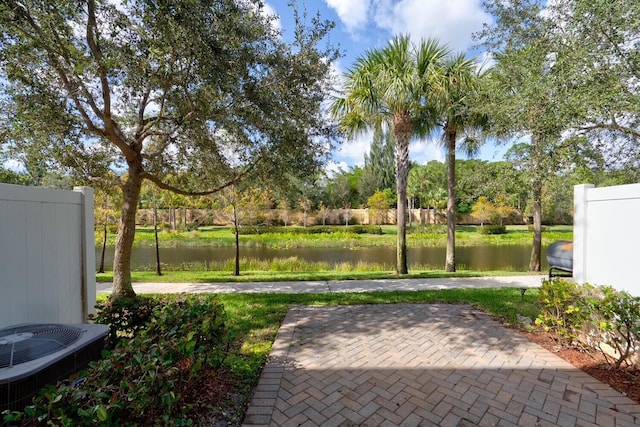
22	344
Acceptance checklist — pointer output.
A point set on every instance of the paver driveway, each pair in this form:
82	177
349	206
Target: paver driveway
422	364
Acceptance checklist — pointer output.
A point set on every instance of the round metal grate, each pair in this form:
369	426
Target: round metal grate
20	344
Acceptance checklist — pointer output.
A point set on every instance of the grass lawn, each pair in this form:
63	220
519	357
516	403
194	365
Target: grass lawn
254	319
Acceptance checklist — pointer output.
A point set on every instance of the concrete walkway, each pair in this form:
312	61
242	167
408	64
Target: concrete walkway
335	286
422	365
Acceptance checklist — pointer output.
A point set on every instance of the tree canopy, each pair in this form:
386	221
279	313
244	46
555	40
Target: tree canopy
148	88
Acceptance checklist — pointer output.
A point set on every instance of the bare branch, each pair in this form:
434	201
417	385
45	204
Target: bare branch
614	126
237	178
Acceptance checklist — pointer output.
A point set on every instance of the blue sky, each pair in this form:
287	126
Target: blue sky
369	24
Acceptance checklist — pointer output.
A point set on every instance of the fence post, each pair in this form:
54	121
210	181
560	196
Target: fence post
88	261
580	226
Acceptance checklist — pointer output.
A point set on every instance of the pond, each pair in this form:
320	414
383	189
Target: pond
489	257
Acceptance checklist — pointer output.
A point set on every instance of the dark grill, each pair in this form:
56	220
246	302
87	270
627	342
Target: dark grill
560	257
29	342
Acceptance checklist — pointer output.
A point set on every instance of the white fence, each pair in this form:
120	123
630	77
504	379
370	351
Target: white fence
47	255
606	241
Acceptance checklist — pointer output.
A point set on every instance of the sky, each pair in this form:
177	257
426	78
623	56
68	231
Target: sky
363	25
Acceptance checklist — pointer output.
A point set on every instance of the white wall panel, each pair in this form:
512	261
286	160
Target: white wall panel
607	240
43	251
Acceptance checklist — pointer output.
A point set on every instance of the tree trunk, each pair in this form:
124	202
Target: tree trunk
104	245
536	184
122	287
155	232
402	135
536	251
450	265
236	226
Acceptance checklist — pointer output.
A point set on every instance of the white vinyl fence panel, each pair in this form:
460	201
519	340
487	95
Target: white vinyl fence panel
47	255
606	239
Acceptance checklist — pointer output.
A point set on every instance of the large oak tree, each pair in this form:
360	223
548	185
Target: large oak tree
147	88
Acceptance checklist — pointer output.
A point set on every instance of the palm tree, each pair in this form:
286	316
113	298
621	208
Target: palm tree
387	87
436	197
457	90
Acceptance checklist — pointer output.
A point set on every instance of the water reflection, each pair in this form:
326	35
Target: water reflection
515	257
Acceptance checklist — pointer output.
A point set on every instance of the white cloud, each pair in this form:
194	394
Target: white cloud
269	12
452	21
425	150
352	150
353	13
332	168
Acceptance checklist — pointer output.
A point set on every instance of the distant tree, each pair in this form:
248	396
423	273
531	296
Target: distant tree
436	199
324	213
106	214
503	209
483	209
283	207
238	205
341	192
211	89
305	207
380	160
8	176
368	184
379	204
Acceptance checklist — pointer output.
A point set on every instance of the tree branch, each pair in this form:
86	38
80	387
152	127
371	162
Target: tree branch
163	185
97	54
612	126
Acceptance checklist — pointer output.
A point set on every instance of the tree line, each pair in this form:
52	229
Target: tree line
202	97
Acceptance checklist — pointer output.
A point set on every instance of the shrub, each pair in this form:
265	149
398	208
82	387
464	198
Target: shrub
616	318
492	229
124	316
143	380
562	307
601	315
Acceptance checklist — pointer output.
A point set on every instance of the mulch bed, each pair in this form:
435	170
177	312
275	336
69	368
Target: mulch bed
626	380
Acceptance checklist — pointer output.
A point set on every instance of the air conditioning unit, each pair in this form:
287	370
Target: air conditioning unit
34	355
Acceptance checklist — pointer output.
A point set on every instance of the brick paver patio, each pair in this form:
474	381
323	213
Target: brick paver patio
422	365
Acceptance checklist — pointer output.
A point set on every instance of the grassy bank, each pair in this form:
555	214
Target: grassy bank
172	276
417	236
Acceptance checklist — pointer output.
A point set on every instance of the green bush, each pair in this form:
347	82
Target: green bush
124	317
616	318
602	314
562	307
492	229
144	379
